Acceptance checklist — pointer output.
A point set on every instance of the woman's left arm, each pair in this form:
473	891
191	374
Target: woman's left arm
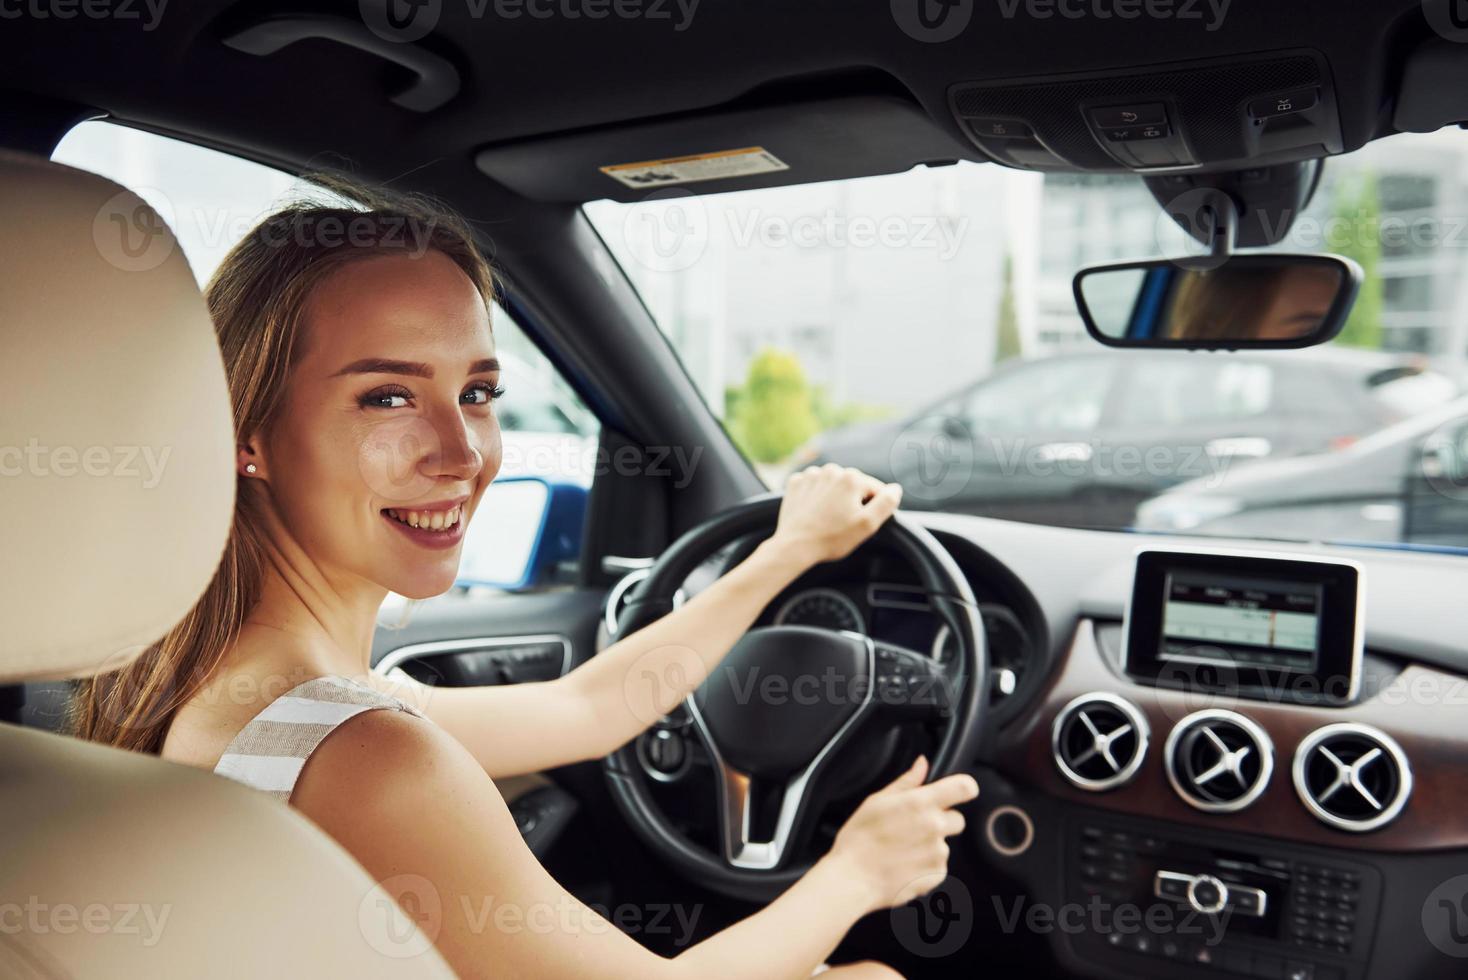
610	699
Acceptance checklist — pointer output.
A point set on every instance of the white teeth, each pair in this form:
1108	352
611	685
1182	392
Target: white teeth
435	520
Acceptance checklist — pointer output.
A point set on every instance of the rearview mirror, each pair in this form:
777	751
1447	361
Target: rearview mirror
1247	301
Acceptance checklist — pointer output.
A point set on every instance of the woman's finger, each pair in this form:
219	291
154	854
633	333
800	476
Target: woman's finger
884	503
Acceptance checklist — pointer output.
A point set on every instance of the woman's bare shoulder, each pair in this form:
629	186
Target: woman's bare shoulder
383	766
245	684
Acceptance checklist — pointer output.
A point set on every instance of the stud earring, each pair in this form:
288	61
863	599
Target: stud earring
250	468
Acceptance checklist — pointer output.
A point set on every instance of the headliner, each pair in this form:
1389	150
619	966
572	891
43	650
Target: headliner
315	103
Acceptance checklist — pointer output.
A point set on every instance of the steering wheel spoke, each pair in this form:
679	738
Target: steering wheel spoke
740	795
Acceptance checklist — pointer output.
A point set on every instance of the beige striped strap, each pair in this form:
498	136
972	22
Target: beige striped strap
269	752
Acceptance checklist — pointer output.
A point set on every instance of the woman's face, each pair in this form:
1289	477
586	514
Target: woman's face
387	435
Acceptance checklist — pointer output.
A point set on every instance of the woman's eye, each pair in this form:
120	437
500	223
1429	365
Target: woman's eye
482	394
386	398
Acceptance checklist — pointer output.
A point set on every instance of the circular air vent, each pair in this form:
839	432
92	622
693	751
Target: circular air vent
621	593
1353	777
1218	761
1099	741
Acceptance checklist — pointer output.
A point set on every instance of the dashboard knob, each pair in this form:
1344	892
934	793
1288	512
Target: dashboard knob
1208	895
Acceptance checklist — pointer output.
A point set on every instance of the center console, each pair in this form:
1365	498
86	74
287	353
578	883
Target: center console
1154	904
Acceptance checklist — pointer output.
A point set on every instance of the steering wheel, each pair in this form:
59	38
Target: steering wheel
769	752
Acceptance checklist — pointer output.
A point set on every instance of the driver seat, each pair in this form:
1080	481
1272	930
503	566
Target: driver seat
117	864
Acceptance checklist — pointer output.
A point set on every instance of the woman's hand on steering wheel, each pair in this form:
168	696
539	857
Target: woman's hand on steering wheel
829	510
895	841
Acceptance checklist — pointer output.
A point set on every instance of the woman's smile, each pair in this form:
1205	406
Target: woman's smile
436	525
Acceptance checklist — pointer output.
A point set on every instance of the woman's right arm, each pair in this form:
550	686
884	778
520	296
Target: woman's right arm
414	808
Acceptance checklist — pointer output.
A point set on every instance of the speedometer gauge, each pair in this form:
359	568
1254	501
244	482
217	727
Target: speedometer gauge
826	608
1007	643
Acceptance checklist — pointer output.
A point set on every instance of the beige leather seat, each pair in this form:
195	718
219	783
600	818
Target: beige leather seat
114	864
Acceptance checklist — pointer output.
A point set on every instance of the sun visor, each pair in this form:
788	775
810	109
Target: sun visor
740	149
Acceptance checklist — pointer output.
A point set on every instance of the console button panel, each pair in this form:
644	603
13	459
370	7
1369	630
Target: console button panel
1156	904
1258	111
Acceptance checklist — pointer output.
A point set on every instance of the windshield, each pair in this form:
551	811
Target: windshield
921	326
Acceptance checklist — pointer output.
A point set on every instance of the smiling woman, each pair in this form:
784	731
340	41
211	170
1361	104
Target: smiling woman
326	404
363	372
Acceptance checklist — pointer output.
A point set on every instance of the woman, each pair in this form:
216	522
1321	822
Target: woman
1252	302
361	362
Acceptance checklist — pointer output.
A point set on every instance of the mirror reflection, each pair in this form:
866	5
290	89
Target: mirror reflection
1279	300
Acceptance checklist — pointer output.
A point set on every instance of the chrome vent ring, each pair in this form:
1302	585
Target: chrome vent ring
1218	761
1352	777
1098	741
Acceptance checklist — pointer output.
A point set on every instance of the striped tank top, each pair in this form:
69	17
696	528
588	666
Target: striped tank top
269	752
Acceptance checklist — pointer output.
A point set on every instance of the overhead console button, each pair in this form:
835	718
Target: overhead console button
1295	100
1000	129
1114	117
1129	134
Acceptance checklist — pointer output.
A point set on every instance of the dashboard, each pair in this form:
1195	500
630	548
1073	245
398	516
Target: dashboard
1267	742
1253	752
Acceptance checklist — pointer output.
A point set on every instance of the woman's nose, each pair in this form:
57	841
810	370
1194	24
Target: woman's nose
458	455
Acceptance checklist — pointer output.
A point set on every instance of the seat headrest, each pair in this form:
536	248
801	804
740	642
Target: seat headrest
116	443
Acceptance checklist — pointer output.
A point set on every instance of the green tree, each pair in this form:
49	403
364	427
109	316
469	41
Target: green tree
1355	233
1007	342
831	414
773	412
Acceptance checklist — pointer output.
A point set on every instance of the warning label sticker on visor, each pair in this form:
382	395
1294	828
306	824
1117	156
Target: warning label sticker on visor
702	166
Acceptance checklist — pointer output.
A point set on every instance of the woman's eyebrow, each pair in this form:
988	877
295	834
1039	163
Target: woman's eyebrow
381	365
417	369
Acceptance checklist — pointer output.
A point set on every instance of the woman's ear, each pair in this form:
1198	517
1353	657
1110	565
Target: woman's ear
249	461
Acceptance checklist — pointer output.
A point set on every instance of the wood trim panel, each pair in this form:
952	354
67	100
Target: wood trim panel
1424	709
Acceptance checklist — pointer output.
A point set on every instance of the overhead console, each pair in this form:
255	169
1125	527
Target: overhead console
1206	114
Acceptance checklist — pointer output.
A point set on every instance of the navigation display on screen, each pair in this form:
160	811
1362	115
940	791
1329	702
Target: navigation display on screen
1244	621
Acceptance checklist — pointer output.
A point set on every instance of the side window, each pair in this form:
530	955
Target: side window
548	431
212	199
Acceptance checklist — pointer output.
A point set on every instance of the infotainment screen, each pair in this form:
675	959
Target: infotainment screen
1254	621
1231	620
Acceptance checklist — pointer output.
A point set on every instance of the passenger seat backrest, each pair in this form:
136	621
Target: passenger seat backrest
117	484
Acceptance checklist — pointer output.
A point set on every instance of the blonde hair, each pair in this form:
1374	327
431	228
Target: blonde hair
257	300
